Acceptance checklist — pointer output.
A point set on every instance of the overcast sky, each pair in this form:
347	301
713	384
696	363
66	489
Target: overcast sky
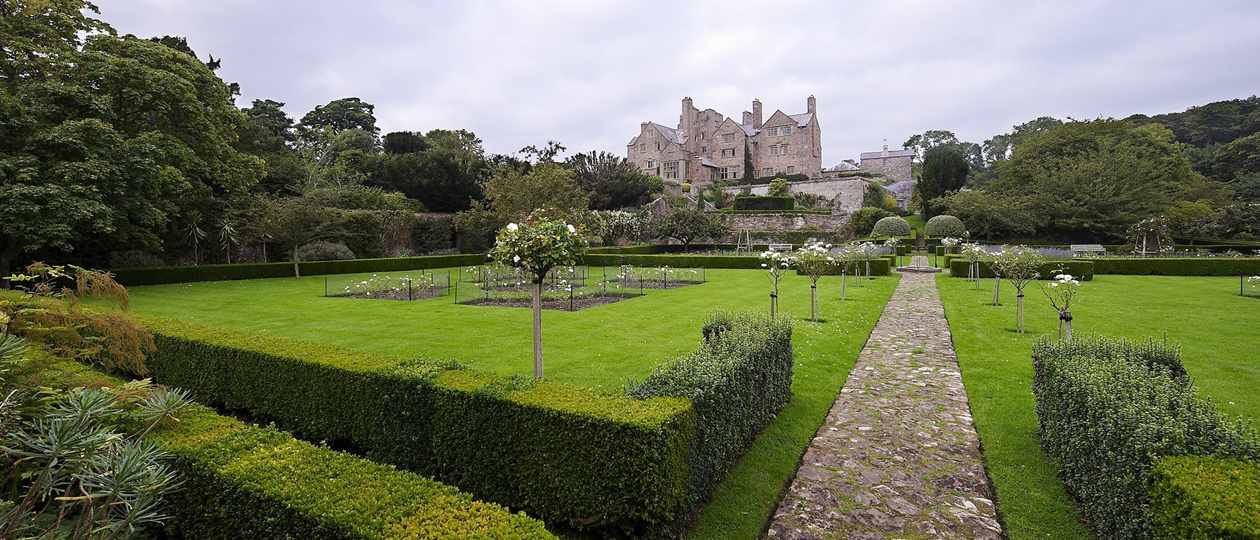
586	73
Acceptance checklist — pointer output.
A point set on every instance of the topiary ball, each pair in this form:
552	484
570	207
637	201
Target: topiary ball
891	226
945	225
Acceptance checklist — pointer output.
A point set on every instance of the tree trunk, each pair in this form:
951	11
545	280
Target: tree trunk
536	302
813	301
842	276
1019	312
296	272
997	290
1066	319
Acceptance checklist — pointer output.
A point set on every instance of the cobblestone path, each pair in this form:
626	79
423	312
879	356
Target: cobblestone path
898	456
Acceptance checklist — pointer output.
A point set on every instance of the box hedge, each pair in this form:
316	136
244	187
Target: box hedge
1200	497
1185	266
1108	409
606	464
764	203
222	272
738	380
1083	270
243	481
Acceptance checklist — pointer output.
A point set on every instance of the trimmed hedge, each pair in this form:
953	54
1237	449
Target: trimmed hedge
564	454
764	203
608	464
1080	269
1108	409
1187	266
739	379
243	481
1199	497
891	226
223	272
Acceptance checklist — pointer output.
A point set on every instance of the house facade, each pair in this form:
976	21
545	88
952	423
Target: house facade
707	146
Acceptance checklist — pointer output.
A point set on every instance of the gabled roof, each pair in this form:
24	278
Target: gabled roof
750	130
802	119
667	133
904	187
888	153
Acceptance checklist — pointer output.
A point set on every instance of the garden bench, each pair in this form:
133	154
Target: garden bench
780	247
1087	249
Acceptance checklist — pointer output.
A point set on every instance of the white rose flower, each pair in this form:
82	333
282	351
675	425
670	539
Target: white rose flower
512	227
572	229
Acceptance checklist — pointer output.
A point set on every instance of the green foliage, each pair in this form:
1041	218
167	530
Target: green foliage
778	188
513	445
1092	180
1083	270
689	224
1173	266
945	225
1108	409
612	181
769	203
738	380
991	215
864	219
433	233
322	250
404	142
875	196
514	195
1197	497
944	172
538	245
221	272
339	115
891	227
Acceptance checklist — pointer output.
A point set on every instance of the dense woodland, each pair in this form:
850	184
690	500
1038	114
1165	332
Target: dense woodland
121	151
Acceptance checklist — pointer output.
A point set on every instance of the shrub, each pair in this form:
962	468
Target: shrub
1199	497
738	380
134	259
242	481
864	219
431	234
1108	409
945	225
609	464
891	227
778	187
1189	266
765	203
321	250
220	272
1082	270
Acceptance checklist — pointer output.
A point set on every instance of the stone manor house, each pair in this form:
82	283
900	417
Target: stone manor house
707	146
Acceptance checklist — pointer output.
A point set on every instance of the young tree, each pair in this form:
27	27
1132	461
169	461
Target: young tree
815	261
296	222
612	181
775	263
513	195
1019	265
537	245
1061	292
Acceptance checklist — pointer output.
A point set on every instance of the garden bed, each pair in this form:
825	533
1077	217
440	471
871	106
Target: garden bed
403	295
563	304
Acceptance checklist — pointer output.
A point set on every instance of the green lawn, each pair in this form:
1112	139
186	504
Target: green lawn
1215	327
599	347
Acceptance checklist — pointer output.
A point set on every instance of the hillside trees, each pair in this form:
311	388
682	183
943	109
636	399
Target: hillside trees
944	171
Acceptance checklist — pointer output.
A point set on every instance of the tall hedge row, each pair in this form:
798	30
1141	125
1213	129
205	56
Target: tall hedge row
1080	269
880	266
738	380
764	202
243	481
1185	266
223	272
1108	410
607	464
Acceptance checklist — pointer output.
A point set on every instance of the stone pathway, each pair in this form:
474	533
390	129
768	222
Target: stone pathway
898	456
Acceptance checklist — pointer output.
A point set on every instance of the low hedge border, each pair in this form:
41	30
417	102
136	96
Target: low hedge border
1186	266
880	266
1082	270
738	380
507	441
240	480
764	203
224	272
607	464
1108	410
1199	497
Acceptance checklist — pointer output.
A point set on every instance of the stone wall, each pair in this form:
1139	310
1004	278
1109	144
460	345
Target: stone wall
787	222
897	168
846	193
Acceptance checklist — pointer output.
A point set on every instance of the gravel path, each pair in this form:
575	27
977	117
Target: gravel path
898	456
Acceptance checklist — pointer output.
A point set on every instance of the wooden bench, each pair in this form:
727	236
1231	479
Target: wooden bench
1087	249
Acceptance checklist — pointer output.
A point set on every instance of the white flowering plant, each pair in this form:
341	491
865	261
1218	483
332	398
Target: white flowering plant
950	241
1019	265
1254	281
815	261
775	263
536	246
1061	291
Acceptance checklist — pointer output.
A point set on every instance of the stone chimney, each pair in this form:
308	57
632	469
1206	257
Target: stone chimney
688	118
810	104
747	118
756	114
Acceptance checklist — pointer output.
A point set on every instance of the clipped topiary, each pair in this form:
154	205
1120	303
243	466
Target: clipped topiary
778	187
891	226
945	225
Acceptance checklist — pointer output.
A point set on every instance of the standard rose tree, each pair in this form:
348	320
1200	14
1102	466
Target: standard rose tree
774	263
1061	292
813	260
1019	265
536	246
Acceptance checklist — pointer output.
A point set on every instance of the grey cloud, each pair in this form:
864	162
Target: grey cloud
586	73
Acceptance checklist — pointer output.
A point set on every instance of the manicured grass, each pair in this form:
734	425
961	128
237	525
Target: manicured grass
601	346
1215	327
